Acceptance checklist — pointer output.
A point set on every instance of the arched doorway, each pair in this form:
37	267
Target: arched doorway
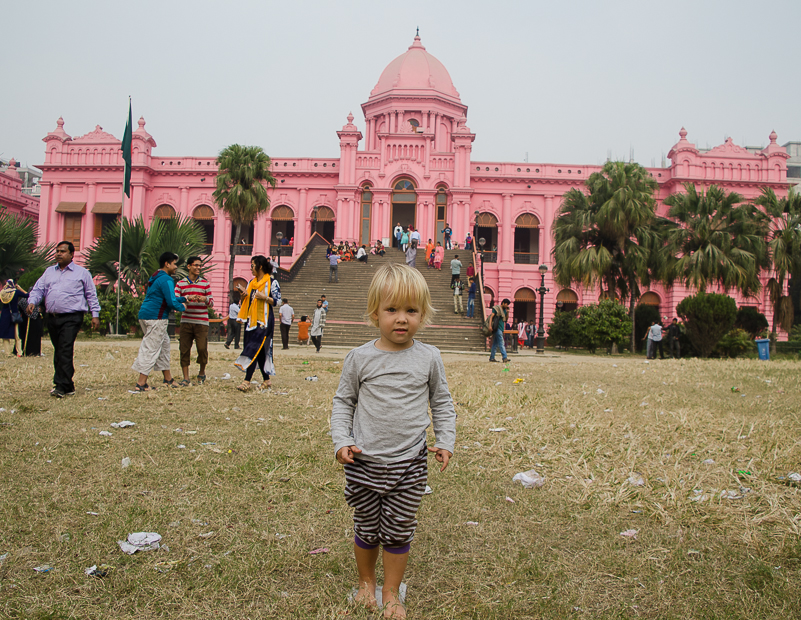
164	212
204	216
366	214
489	296
487	229
283	221
527	239
404	205
566	300
525	305
325	223
442	215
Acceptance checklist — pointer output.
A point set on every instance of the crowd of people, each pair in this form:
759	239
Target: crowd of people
654	336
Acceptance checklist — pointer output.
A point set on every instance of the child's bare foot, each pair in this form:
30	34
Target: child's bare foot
394	609
366	597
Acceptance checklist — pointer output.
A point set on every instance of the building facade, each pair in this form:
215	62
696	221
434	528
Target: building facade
410	163
16	190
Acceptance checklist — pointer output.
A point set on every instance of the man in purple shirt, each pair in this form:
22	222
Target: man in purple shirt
68	292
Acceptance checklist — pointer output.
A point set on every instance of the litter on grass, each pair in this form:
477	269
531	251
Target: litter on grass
225	377
629	533
140	541
510	500
794	477
105	433
499	383
378	593
44	568
636	480
708	462
500	429
94	514
471	522
126	462
312	378
166	566
319	551
428	490
518	380
123	424
98	571
529	479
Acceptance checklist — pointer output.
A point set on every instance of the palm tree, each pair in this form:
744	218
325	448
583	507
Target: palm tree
784	246
611	236
243	172
18	251
718	240
141	248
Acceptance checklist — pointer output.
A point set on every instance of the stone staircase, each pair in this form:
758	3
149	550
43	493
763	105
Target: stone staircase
345	323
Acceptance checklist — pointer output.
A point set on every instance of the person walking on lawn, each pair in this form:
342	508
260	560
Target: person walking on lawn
195	319
318	325
160	299
500	314
233	324
68	293
287	315
674	346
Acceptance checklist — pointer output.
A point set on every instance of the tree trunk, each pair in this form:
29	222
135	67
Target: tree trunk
233	259
633	323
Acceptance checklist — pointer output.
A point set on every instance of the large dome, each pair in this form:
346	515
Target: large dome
415	72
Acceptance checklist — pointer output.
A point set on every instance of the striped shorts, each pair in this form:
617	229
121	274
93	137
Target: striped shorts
385	498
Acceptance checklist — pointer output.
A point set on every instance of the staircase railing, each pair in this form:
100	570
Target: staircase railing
287	275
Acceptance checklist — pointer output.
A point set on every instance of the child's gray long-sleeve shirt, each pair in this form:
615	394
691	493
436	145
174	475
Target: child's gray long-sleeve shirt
381	405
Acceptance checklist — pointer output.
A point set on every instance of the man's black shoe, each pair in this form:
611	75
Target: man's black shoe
55	392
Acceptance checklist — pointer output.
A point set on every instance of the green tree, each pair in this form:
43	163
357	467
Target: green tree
719	240
610	236
242	174
707	318
603	324
562	330
18	251
751	321
784	247
141	248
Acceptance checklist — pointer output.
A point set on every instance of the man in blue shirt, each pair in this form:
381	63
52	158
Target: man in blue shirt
333	271
471	298
68	293
447	232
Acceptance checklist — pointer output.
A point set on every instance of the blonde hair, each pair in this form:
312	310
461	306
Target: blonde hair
396	284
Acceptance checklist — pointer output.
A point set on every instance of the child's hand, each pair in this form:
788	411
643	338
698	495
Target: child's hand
443	456
346	454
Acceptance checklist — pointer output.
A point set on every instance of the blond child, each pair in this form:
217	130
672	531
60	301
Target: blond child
378	425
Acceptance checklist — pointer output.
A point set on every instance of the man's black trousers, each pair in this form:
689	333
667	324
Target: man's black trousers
63	330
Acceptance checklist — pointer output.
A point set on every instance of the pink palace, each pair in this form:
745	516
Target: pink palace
411	163
13	199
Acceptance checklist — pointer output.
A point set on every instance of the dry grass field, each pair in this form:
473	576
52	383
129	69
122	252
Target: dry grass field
665	448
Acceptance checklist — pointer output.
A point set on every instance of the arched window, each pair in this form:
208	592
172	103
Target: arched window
527	239
367	207
415	125
283	221
204	216
566	300
404	205
650	299
487	229
164	212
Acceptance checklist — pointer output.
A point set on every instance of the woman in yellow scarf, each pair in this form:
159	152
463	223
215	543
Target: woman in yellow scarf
256	312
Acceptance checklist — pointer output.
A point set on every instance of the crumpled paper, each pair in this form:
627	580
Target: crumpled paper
140	541
123	424
529	479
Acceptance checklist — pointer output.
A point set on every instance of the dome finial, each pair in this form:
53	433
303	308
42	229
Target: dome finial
772	137
683	133
418	31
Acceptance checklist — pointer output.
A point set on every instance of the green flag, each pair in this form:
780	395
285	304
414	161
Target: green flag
127	138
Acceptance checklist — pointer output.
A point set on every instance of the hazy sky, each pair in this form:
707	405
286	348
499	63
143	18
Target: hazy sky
565	82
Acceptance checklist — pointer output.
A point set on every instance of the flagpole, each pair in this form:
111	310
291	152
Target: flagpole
119	265
125	146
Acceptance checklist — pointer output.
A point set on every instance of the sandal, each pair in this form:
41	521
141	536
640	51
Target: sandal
266	385
185	383
142	388
201	379
244	386
171	383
